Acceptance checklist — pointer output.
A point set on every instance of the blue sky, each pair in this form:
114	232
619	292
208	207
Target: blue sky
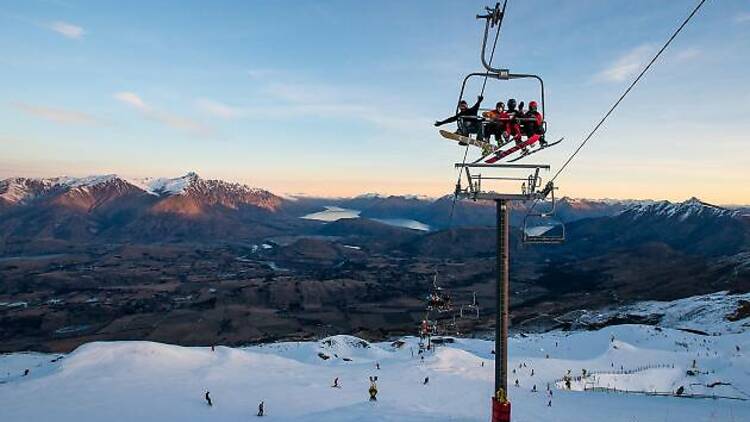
338	97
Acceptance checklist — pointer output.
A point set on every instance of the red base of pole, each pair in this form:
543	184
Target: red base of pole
500	411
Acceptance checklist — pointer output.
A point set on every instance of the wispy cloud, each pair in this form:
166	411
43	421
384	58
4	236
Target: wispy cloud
68	30
626	65
742	18
168	119
218	109
688	54
58	115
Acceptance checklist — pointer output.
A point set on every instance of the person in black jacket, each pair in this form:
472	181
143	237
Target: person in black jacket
469	125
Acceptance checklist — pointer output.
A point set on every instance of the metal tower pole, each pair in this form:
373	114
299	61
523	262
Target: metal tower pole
501	318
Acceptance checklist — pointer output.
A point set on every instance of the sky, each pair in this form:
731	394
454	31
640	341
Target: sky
338	97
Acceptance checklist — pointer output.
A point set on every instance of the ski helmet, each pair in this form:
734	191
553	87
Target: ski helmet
533	105
512	104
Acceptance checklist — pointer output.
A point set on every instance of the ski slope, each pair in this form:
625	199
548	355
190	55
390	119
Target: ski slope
126	381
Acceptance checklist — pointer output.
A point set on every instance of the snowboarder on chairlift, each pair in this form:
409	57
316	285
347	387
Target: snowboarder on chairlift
469	125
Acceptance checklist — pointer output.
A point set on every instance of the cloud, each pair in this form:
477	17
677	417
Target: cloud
67	29
742	18
626	65
132	99
58	115
168	119
688	54
218	109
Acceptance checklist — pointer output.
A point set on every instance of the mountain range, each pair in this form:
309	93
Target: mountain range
105	257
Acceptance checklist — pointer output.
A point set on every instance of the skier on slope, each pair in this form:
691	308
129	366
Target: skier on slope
468	125
336	383
373	390
261	409
208	398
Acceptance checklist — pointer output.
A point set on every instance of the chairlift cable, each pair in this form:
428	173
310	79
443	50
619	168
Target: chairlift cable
466	150
622	97
484	84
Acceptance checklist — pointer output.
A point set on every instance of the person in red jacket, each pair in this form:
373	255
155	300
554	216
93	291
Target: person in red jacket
534	124
512	126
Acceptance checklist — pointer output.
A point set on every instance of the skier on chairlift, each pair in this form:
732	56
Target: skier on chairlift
512	127
496	125
534	127
469	125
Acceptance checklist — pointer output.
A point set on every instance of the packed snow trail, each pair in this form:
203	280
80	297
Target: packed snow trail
125	381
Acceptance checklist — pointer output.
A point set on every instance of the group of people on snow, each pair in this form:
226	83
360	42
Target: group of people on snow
505	124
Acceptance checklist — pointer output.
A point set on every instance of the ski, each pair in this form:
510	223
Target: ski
536	150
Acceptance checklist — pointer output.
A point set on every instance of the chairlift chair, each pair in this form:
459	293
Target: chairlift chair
543	227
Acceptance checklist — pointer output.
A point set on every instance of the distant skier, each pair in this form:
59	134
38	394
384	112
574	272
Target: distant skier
336	383
373	390
208	398
261	408
680	390
213	348
377	365
517	384
26	372
533	389
532	372
426	380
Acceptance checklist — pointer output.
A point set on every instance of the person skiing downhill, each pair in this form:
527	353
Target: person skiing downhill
336	383
208	398
373	390
470	124
261	408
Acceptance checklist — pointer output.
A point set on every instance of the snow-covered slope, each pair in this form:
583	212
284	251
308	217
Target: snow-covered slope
707	313
127	381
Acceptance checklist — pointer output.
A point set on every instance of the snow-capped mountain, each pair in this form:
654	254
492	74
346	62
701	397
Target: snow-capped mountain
113	208
692	208
22	191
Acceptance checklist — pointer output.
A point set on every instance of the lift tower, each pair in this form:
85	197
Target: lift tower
529	191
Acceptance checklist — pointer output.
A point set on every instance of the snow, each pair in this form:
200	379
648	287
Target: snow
679	210
165	186
703	313
135	380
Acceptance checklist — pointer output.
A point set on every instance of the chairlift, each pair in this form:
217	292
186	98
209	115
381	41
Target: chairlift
438	299
474	306
544	227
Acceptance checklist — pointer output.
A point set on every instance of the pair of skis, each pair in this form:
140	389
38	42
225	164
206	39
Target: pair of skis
492	154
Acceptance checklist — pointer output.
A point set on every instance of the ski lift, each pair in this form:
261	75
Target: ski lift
543	227
438	299
474	306
494	18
